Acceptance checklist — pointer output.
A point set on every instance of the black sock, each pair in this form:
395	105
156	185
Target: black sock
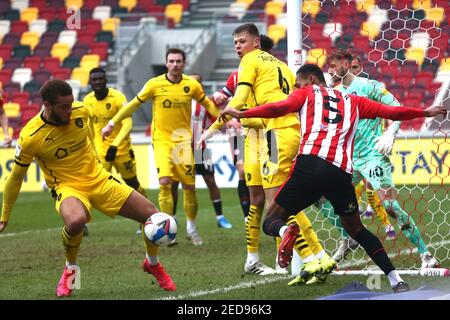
217	206
375	250
244	197
272	226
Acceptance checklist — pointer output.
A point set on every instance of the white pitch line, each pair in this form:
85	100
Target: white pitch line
239	286
14	234
248	284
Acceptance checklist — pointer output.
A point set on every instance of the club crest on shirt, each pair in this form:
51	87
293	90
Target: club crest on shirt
79	123
108	106
186	89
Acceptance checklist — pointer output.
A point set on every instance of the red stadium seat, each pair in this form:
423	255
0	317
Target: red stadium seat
100	48
62	73
34	63
19	27
21	98
51	63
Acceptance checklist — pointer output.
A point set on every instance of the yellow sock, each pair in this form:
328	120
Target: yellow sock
150	248
308	232
190	204
165	198
359	189
71	245
252	225
375	203
301	246
142	191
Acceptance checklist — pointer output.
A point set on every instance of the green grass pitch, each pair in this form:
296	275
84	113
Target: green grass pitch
31	256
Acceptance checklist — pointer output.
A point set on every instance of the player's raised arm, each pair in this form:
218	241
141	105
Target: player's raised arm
370	109
12	188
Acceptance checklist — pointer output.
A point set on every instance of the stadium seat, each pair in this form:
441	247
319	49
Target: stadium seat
68	37
18	27
90	61
41	76
105	36
21	98
420	40
74	3
91	26
62	73
11	15
56	25
71	62
100	49
79	50
81	75
174	11
39	26
129	4
21	75
5	51
12	109
91	4
273	8
311	7
415	54
22	51
30	38
60	51
332	30
47	13
5	27
12	39
10	88
19	4
317	56
38	3
101	12
29	14
436	15
35	98
370	30
237	10
32	87
111	24
424	77
42	50
12	63
276	32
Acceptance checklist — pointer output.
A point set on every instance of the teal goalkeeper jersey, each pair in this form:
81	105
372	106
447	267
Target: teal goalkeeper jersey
368	129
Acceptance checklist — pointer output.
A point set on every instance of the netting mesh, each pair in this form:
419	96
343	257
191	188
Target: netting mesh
404	45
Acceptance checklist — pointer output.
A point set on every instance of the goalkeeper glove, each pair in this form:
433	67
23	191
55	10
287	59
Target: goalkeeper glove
111	153
385	142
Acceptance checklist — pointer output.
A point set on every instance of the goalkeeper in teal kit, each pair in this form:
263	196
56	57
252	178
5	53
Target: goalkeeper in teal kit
370	155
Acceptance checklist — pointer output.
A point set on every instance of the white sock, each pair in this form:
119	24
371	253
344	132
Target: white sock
219	217
320	254
153	260
252	258
282	231
394	278
70	264
190	226
309	258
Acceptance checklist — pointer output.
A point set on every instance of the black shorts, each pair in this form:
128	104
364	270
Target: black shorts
204	170
311	178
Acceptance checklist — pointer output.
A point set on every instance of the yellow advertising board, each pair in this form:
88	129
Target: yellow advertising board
421	161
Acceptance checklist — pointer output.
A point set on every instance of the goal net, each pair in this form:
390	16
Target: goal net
403	44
